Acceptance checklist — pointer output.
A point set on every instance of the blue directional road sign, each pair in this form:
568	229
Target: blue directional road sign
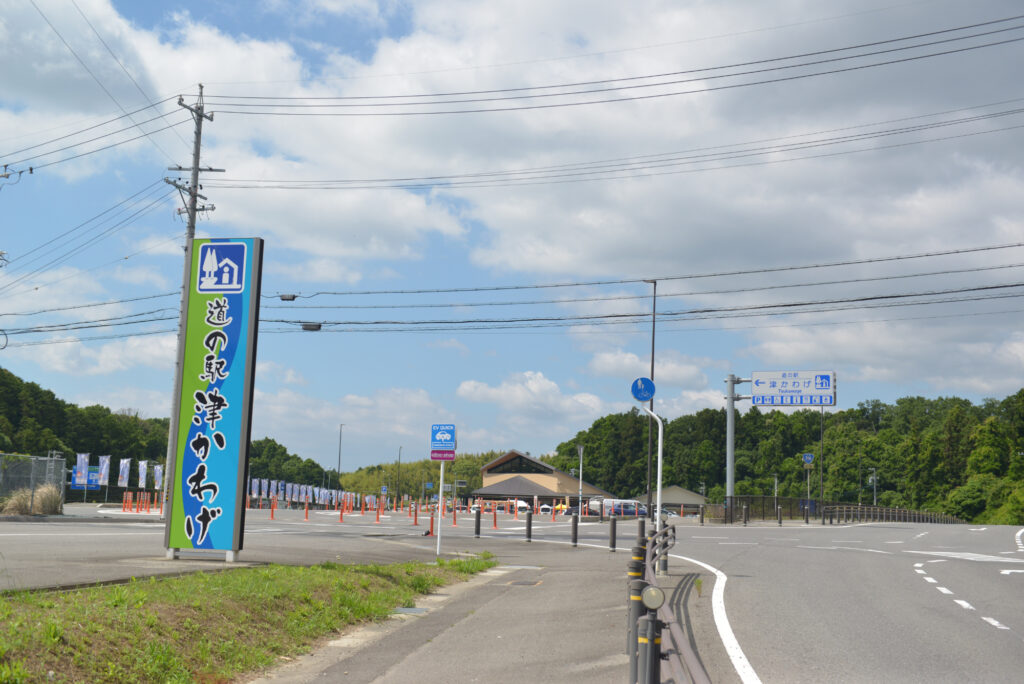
643	389
442	437
383	489
793	388
808	459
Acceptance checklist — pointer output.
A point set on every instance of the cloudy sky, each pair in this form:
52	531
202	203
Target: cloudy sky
469	197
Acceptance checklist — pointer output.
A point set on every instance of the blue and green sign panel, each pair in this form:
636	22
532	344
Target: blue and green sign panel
210	440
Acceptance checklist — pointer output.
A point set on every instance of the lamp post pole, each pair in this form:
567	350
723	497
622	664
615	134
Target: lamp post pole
340	426
650	423
579	448
398	477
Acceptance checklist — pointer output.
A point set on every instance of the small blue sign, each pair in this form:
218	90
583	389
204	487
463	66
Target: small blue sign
808	459
442	437
429	485
93	483
221	267
383	489
643	389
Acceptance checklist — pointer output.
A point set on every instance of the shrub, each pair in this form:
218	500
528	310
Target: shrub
46	501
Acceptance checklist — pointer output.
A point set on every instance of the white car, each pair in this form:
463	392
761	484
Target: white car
545	508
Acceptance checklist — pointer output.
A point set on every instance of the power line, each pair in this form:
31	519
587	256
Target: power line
644	297
94	77
123	67
91	305
624	281
599	170
580	84
333	109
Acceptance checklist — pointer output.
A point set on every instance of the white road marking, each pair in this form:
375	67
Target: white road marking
737	543
894	542
930	580
918	536
964	555
977	529
1020	543
696	537
79	534
944	590
845	548
995	623
1009	572
963	604
919	571
732	646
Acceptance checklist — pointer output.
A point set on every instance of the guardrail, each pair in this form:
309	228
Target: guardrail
741	509
654	635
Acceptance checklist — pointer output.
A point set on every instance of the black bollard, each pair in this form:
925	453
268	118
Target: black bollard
575	529
476	529
611	534
529	525
778	511
702	515
641	538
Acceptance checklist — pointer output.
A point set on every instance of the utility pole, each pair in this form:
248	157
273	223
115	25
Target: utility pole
730	438
191	209
398	477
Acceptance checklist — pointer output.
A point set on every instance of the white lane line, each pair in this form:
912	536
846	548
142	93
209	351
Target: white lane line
845	548
963	604
847	541
918	536
944	590
732	646
919	571
995	623
918	565
696	537
899	542
79	534
962	555
930	580
1009	572
977	529
737	543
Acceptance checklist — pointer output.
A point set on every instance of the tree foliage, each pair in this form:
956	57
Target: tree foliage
943	454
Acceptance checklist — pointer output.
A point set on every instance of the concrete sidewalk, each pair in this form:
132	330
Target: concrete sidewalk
559	619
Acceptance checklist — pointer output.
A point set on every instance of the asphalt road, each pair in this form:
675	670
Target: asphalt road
892	602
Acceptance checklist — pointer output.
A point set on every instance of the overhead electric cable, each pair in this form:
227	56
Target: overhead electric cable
715	274
96	78
90	305
580	84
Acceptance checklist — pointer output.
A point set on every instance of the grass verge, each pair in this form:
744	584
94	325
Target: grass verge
206	627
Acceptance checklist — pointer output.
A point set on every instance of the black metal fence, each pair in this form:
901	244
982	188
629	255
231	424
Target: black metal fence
738	509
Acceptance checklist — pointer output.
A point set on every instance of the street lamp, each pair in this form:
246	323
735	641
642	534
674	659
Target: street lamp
650	424
340	426
579	448
874	486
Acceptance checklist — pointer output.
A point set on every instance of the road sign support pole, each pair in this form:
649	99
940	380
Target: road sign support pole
441	499
730	439
661	447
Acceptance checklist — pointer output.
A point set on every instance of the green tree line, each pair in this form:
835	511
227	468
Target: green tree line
945	455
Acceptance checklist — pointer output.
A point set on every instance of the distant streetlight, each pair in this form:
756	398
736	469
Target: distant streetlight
874	486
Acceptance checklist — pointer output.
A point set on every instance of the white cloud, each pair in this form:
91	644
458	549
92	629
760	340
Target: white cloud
154	351
670	368
528	397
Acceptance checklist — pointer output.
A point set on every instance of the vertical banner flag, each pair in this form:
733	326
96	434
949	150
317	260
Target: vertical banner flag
82	469
104	470
158	477
143	472
123	466
210	434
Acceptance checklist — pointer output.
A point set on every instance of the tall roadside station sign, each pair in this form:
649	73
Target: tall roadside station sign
442	448
210	440
793	388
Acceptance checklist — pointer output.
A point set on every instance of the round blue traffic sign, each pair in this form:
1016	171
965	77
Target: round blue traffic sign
643	389
808	459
